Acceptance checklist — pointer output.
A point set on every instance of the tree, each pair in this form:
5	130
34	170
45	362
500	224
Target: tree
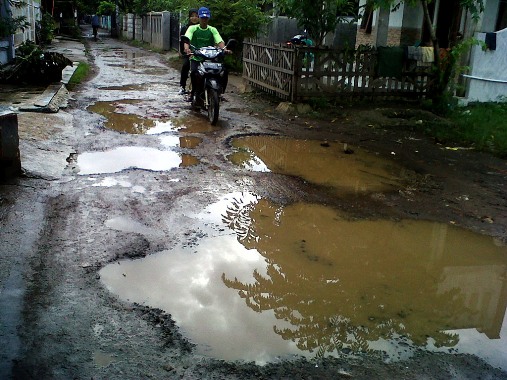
443	70
106	8
318	17
87	7
141	7
238	19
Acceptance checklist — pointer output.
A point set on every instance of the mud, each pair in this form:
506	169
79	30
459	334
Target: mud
59	228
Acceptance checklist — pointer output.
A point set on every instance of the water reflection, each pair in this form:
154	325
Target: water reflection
312	282
326	163
342	283
120	120
121	158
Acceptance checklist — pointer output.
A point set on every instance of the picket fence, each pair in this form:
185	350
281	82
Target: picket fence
296	74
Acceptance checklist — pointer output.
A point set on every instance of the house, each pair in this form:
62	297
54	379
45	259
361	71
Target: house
31	10
404	26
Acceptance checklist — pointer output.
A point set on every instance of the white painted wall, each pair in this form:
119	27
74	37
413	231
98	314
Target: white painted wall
32	12
488	18
488	76
413	16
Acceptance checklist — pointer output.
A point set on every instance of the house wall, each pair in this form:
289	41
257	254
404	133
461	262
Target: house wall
153	28
411	27
488	77
156	29
404	27
393	37
32	12
488	18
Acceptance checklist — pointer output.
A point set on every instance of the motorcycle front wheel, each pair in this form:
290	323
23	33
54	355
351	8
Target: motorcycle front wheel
214	106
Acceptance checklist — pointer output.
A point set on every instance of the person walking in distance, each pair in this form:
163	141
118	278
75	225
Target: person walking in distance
95	26
193	19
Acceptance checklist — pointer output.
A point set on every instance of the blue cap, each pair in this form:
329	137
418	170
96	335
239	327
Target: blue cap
204	12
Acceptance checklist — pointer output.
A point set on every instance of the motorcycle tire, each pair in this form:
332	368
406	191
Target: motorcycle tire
214	106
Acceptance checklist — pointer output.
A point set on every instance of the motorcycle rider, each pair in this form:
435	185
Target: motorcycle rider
193	19
203	35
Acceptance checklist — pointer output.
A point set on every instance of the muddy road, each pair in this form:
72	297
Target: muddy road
153	245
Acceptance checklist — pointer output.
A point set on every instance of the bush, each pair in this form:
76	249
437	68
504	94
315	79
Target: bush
46	29
34	66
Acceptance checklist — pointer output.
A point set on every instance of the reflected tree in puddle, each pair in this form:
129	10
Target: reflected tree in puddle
343	284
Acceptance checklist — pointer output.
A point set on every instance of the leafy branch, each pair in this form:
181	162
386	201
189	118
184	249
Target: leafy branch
9	24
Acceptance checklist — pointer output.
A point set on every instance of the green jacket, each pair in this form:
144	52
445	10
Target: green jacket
203	37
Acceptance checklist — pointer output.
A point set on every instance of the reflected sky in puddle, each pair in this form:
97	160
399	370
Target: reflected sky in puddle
121	158
275	284
325	163
120	119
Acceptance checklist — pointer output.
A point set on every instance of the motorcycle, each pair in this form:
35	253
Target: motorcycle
299	40
210	70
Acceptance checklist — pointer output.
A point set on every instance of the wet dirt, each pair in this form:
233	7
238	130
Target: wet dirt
62	239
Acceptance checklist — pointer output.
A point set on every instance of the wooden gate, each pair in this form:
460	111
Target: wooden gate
175	31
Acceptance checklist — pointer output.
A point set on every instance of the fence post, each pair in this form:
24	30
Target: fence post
295	76
166	30
10	162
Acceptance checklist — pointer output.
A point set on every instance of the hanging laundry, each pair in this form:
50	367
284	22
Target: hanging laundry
414	52
427	55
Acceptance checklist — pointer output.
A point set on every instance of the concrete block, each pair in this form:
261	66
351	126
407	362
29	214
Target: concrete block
10	162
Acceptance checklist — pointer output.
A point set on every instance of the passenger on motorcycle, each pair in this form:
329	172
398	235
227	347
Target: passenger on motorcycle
203	35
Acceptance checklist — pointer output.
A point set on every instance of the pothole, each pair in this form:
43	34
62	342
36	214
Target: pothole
265	281
333	164
121	158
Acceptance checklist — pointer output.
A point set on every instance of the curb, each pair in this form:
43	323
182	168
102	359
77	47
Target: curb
46	101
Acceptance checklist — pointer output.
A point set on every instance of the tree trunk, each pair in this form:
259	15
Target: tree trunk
433	36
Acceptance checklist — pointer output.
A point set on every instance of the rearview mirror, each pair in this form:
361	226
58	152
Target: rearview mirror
231	44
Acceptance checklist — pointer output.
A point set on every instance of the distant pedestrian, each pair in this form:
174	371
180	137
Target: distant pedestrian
193	19
95	26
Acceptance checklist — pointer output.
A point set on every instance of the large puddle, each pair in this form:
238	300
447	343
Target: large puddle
120	117
125	157
331	164
271	281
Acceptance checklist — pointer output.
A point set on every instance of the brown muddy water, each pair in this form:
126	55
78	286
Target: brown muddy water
332	164
270	281
119	118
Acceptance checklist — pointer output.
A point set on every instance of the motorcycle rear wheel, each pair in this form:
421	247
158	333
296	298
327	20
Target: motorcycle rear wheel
214	106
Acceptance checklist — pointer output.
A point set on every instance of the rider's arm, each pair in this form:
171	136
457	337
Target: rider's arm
221	45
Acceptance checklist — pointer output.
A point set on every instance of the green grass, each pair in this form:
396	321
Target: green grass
82	71
482	126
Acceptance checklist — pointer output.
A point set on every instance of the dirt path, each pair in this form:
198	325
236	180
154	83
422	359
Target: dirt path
61	229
